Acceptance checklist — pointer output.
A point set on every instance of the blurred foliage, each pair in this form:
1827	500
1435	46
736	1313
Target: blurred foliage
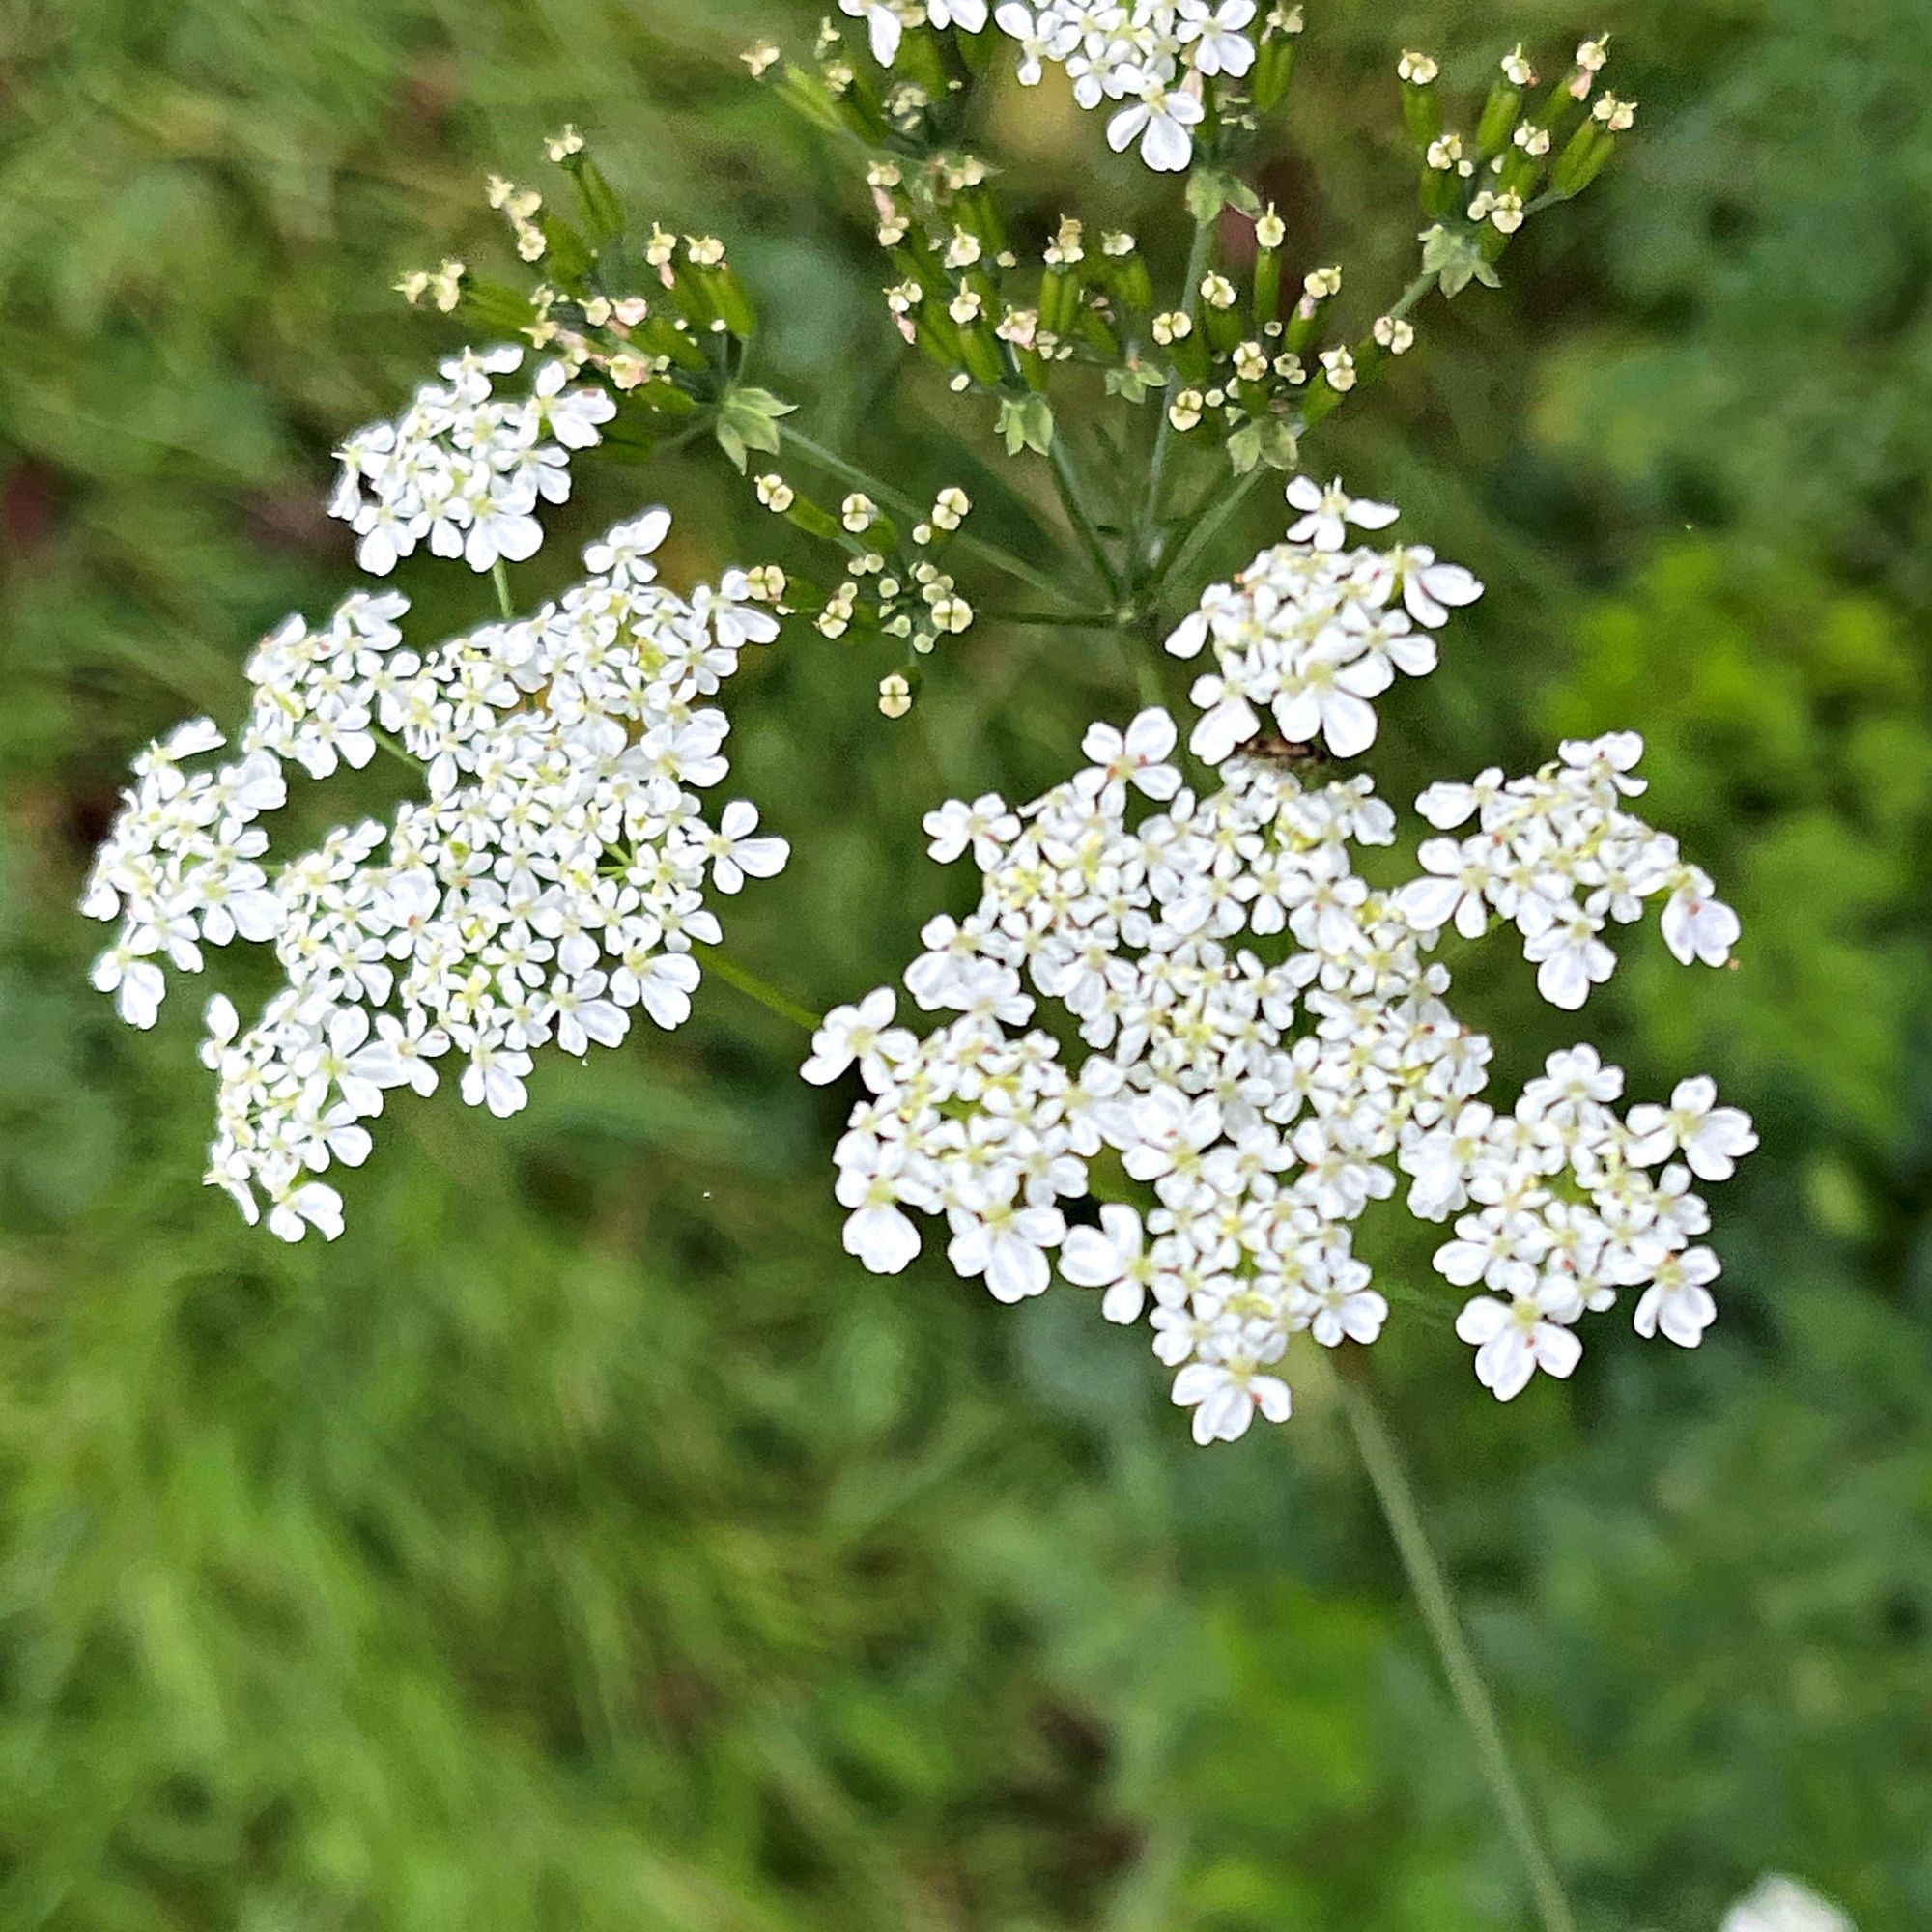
582	1542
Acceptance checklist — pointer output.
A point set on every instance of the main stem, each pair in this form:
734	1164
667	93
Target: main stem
1383	1462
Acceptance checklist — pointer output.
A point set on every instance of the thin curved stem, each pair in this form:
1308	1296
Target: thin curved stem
1404	1514
1188	543
767	996
1068	485
1206	528
501	577
1060	620
1190	302
991	554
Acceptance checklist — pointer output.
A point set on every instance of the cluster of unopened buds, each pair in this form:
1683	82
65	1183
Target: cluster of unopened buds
1267	1044
548	883
897	587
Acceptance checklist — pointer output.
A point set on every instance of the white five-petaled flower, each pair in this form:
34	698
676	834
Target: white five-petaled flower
1160	121
1325	513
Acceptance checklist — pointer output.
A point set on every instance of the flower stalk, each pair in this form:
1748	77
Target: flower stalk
1429	1586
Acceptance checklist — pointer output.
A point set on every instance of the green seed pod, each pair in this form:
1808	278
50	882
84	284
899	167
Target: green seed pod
1440	191
980	353
1225	327
603	214
1094	327
977	212
938	334
1192	357
815	521
1498	122
499	307
567	256
1059	299
1302	325
1519	173
1273	66
1582	160
731	299
666	398
1421	112
1267	286
1032	367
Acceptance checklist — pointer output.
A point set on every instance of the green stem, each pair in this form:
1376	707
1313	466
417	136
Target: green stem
1190	543
1014	567
1206	528
1404	1514
1190	302
501	577
767	996
1063	620
395	750
1066	483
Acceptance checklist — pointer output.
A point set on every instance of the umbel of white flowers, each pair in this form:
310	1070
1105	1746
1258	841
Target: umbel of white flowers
548	883
463	469
1268	1039
1145	60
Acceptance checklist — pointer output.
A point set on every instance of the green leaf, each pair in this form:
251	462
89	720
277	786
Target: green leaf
748	419
1261	440
1454	257
1134	380
1209	191
1026	423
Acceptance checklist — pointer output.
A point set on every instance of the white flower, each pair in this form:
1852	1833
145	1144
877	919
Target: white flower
1698	926
1712	1139
848	1034
985	825
1136	757
1213	29
1513	1340
1110	1256
1327	511
1259	1098
876	1232
549	877
464	468
1225	1396
883	26
1678	1302
1004	1245
312	1204
1159	120
736	855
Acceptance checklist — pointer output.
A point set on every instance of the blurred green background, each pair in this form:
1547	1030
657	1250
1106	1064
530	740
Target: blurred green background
583	1541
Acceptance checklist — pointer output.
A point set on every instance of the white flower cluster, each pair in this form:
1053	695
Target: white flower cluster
1148	58
1540	841
1267	1046
1311	633
464	468
549	881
